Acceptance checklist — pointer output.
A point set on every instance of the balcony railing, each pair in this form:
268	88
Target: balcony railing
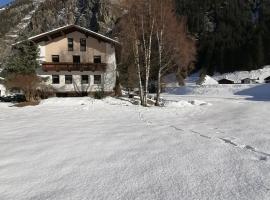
65	66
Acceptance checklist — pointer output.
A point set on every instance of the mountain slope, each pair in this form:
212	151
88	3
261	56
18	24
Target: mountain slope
24	18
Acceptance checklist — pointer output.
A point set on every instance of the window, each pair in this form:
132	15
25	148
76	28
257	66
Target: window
68	79
70	44
85	79
97	59
83	44
55	79
76	59
55	58
97	79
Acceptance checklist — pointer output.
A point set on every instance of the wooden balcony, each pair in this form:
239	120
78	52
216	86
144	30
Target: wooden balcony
65	66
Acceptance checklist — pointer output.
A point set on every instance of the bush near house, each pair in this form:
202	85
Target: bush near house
28	83
20	71
99	94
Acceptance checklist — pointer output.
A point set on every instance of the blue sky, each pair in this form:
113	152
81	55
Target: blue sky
3	2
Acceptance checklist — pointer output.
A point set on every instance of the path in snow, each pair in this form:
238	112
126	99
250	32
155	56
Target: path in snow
227	140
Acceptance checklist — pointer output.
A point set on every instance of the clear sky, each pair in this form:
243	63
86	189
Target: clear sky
3	2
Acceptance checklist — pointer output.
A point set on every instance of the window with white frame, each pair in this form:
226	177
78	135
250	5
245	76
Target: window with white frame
97	59
84	79
70	44
55	58
55	79
97	79
83	44
68	79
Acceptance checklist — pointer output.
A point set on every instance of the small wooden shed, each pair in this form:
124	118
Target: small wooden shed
225	81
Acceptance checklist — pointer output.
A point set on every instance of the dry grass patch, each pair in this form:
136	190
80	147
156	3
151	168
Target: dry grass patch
24	104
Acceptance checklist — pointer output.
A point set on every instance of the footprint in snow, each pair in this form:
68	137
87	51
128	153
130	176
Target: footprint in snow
263	158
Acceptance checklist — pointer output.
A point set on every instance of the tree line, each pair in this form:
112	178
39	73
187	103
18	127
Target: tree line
232	34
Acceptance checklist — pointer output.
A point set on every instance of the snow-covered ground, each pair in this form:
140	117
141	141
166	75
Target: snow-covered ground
259	75
199	146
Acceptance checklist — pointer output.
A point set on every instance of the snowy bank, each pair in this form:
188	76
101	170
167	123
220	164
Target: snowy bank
259	91
259	75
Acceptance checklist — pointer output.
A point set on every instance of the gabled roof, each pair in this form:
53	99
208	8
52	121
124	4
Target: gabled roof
69	29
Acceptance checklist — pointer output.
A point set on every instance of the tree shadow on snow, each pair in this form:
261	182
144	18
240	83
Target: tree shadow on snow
259	92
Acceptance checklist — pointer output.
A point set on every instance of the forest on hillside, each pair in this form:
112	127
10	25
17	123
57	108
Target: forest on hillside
232	34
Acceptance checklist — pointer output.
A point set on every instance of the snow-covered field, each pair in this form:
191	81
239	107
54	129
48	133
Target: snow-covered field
206	146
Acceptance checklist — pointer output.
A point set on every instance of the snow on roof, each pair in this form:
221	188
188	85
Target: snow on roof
76	27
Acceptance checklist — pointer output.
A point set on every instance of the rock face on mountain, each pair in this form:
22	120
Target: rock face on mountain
24	18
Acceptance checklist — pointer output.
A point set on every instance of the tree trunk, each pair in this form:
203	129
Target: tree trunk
160	49
137	62
158	88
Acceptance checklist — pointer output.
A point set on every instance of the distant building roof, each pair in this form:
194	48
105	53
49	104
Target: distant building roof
250	79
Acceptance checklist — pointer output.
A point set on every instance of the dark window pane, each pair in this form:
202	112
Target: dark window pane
70	44
55	79
97	59
85	79
76	59
68	79
83	44
55	58
97	79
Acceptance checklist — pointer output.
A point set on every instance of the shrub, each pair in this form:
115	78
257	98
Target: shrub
99	94
27	83
46	91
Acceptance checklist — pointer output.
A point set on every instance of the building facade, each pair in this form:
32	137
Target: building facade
75	60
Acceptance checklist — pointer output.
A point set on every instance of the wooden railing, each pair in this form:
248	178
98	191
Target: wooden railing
66	66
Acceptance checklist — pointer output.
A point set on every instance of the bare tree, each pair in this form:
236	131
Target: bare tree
175	47
156	37
137	32
80	88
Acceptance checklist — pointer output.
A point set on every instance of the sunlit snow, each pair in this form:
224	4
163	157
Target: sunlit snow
199	146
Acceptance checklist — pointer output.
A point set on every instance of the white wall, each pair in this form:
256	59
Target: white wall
3	90
108	77
76	86
42	51
110	74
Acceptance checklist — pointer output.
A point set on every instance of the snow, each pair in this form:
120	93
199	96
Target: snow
257	91
13	33
170	80
199	146
183	103
258	75
209	81
192	79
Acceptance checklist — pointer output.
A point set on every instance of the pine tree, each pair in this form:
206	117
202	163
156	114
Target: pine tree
233	34
24	59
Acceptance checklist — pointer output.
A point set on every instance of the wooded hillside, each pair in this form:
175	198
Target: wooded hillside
233	34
